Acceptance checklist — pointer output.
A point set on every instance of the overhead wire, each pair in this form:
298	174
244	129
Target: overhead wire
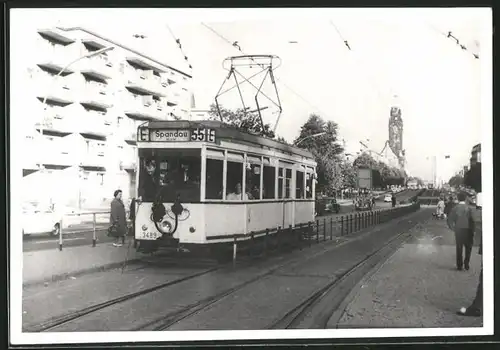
179	45
450	35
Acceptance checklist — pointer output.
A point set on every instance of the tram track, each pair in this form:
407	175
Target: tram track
291	318
64	319
333	293
172	318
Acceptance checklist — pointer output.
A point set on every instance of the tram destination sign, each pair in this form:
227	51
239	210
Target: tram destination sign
182	135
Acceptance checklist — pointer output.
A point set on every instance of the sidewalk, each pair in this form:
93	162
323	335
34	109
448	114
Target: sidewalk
417	287
52	265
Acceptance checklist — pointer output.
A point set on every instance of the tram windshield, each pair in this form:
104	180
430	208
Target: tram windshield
164	174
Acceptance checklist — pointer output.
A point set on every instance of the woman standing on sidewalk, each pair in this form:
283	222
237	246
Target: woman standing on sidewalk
118	219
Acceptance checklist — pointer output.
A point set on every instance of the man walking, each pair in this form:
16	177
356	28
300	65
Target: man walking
461	222
476	308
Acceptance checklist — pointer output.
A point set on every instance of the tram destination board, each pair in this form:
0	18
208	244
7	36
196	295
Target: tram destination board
182	135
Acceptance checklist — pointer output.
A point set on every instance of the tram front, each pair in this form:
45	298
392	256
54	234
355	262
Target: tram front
169	185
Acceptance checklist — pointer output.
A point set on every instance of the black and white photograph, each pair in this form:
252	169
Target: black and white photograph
182	174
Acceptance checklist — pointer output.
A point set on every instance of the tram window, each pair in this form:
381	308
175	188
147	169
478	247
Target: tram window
253	181
309	184
299	193
269	182
280	183
215	169
165	174
288	183
234	181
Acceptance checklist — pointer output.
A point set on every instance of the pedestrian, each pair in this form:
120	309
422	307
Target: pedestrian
448	206
461	222
393	200
476	308
118	219
440	208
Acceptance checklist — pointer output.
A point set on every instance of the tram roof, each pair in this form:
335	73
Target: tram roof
228	132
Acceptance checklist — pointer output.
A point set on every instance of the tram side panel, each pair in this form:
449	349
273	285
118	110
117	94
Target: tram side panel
190	227
262	216
304	212
224	219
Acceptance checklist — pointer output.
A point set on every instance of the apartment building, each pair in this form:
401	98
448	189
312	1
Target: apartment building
80	123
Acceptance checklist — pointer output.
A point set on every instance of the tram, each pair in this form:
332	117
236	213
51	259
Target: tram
203	184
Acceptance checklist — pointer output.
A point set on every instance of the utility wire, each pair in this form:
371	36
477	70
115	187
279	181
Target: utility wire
450	36
372	81
178	41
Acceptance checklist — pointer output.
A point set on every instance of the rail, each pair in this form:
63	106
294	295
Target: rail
81	223
320	230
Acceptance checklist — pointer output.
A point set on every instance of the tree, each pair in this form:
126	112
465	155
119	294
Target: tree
249	122
456	180
326	151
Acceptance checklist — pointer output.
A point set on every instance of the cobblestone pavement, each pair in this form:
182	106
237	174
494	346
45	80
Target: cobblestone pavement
417	287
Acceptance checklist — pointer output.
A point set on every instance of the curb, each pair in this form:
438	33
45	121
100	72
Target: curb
77	273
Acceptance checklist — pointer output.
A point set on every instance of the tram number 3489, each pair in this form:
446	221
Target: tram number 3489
207	135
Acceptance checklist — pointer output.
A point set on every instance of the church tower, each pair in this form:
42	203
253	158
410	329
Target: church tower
396	132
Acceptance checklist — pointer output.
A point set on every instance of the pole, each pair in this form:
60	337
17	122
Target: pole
234	251
60	234
94	240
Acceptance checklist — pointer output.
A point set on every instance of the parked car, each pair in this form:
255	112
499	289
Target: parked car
388	198
325	205
40	220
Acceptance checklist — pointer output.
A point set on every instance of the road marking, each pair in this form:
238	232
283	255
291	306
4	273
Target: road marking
55	240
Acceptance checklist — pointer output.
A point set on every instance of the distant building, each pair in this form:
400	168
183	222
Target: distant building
91	114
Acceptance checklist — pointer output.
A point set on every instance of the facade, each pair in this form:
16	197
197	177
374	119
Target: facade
80	125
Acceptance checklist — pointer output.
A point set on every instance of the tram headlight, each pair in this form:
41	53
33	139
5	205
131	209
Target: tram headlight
192	229
166	226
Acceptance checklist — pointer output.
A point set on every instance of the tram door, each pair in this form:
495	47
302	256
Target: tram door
285	193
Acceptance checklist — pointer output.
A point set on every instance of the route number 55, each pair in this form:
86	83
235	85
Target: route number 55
203	135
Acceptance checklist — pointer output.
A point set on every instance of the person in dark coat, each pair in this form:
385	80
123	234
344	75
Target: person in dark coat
461	221
476	308
393	200
118	219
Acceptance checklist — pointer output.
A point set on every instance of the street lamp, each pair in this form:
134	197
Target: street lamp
310	136
89	55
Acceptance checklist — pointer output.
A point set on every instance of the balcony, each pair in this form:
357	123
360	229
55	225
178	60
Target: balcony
93	159
53	150
57	120
146	82
96	95
128	159
98	66
54	88
94	154
146	108
95	124
54	57
55	36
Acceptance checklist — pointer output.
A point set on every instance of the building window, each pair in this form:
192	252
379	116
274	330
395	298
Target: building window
299	194
269	179
214	179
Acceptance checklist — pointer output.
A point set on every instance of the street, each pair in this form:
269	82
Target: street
204	297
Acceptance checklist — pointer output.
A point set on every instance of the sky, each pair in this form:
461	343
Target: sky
401	52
